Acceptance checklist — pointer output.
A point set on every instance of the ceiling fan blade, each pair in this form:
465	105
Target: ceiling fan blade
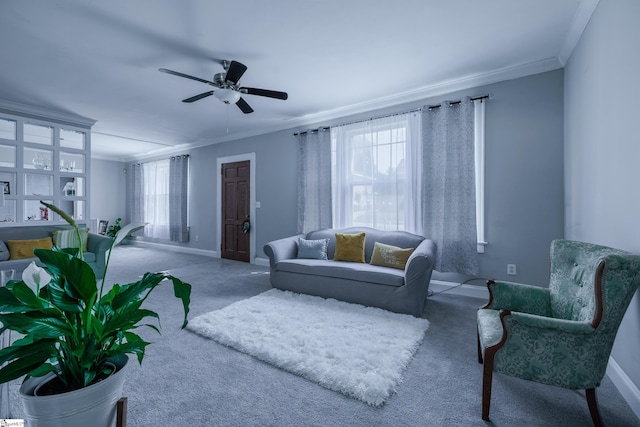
242	104
235	71
264	92
186	76
197	97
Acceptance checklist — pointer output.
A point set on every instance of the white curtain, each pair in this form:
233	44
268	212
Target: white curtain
449	193
136	193
374	163
314	183
178	198
478	121
156	199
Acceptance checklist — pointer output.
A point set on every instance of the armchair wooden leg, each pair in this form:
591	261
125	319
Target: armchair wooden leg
487	377
593	407
121	412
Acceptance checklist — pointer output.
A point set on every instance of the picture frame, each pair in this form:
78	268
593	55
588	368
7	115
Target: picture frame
102	227
6	186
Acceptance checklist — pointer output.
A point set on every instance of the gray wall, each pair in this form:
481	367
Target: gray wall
524	195
107	190
602	148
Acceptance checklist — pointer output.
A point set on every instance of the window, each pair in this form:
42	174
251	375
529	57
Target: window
156	198
371	170
158	195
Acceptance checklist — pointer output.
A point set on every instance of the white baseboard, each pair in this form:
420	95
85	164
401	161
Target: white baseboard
262	261
174	248
625	386
474	291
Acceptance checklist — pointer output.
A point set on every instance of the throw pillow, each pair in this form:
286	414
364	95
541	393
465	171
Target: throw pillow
4	251
349	247
313	249
390	256
20	249
69	239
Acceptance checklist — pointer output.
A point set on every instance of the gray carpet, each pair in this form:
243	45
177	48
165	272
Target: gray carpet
186	379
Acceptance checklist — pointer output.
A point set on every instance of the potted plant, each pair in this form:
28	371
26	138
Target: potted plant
75	337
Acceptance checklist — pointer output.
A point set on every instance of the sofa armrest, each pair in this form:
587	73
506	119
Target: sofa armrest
281	249
518	297
99	245
419	266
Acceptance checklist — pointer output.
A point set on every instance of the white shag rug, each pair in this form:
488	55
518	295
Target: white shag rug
359	351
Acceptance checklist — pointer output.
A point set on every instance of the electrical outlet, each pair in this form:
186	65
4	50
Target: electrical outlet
511	269
196	237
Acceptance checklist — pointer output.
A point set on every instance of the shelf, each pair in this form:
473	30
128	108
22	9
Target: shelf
42	159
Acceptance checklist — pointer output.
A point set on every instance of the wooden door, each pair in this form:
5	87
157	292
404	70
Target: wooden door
235	211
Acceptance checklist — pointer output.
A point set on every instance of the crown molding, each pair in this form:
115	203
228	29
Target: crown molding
443	88
580	20
40	113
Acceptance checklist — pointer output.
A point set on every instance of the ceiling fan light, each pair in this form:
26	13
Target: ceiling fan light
228	96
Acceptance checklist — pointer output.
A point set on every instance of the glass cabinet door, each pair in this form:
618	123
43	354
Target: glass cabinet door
71	139
8	129
38	134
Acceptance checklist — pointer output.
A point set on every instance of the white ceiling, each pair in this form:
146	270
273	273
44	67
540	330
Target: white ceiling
100	59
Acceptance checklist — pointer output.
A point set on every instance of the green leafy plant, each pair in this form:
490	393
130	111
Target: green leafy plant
69	326
113	229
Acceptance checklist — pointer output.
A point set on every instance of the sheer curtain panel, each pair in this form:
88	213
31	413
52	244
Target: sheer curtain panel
136	193
374	165
178	198
448	191
156	199
314	180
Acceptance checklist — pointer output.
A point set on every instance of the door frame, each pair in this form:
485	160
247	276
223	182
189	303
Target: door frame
251	157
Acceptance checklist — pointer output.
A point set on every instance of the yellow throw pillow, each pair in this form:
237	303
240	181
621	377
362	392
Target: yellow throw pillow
390	256
20	249
349	247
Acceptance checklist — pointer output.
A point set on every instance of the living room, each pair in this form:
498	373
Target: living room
560	163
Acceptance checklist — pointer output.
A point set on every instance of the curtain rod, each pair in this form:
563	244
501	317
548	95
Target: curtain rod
304	132
325	128
475	98
172	157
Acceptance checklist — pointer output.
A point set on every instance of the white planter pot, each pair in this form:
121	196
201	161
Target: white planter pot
90	406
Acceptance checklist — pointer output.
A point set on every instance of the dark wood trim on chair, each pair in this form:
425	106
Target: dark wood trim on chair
487	367
489	284
597	288
593	407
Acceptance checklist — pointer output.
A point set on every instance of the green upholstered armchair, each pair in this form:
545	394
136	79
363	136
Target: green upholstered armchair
561	335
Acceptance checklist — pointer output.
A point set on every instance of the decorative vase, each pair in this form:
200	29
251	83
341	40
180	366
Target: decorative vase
94	405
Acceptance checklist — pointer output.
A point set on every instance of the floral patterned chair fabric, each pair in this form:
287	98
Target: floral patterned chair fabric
561	335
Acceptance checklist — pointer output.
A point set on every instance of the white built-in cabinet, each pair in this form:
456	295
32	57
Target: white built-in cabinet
46	159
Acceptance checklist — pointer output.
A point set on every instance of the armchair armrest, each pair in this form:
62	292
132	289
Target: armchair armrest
99	245
532	321
518	297
281	249
419	266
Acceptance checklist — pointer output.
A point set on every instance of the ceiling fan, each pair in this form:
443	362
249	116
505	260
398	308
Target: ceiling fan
227	86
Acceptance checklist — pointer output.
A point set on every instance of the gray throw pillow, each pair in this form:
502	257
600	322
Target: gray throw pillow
313	249
4	252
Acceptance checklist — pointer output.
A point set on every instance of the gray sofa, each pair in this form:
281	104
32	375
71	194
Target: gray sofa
94	254
401	291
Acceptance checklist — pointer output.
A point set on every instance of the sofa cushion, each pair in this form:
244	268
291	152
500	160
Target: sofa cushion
313	249
349	247
69	239
4	251
360	272
390	256
20	249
